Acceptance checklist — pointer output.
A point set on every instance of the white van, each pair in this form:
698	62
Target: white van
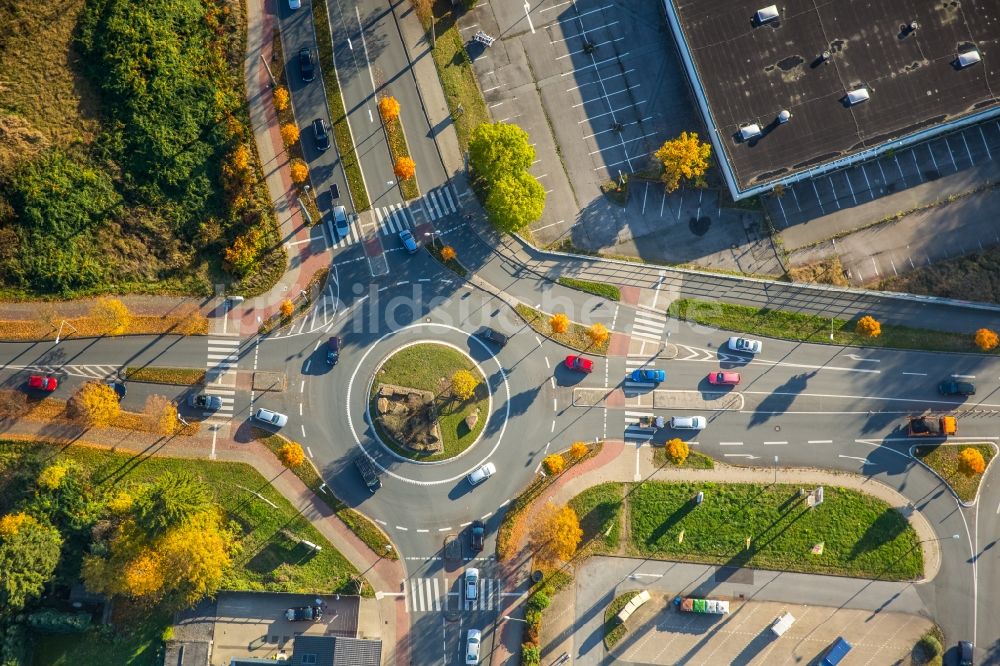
783	624
688	422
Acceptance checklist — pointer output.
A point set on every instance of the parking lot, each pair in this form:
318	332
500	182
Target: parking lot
598	87
927	162
661	634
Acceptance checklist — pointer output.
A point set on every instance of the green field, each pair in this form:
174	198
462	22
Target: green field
599	509
429	367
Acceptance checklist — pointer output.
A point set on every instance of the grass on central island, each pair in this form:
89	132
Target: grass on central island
429	367
944	460
862	536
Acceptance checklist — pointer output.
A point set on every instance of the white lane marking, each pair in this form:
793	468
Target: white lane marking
547	364
443	529
741	455
916	374
841	455
401	528
820	441
730	443
855	357
423	531
774	443
964	376
303	427
555	405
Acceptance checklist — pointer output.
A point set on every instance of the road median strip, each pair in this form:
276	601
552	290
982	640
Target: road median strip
163	375
945	461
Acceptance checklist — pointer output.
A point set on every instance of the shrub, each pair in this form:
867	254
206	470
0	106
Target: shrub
56	622
559	323
281	98
868	327
243	254
388	108
300	171
289	133
287	308
538	602
554	464
404	168
448	253
986	339
970	462
531	655
52	476
463	384
241	157
598	333
291	454
533	616
96	404
578	450
111	316
677	451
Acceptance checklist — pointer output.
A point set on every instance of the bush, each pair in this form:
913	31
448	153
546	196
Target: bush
291	454
448	253
289	133
986	339
538	602
531	655
281	98
55	622
970	462
677	451
405	168
868	327
578	450
930	646
554	464
287	308
300	171
388	108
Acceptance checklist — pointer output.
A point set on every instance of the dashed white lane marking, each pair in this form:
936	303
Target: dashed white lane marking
916	374
730	443
775	443
964	376
820	441
402	529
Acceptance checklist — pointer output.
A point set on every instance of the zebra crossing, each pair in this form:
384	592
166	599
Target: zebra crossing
429	595
85	371
390	220
636	433
649	324
220	375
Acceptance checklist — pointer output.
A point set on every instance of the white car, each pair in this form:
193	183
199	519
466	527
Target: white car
275	419
746	345
481	474
340	222
471	583
688	422
472	641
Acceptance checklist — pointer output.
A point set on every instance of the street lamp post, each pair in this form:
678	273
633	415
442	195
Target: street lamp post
515	619
775	469
953	536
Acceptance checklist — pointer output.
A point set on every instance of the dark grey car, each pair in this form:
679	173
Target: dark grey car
321	130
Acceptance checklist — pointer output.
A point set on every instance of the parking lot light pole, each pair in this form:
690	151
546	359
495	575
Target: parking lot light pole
953	536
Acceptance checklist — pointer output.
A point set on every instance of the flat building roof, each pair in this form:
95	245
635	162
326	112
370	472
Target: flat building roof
904	53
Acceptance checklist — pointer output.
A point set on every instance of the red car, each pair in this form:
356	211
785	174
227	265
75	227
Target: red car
579	364
724	378
40	383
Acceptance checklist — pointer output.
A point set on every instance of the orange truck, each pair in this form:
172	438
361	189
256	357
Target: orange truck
932	426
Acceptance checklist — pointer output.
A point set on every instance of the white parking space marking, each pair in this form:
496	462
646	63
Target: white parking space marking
985	144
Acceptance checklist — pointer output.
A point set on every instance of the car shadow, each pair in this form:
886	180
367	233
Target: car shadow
566	377
461	489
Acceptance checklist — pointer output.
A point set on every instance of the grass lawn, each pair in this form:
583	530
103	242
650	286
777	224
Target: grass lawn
943	459
694	460
429	367
574	338
270	556
608	291
614	630
455	72
809	328
599	509
862	535
338	115
365	529
154	375
133	643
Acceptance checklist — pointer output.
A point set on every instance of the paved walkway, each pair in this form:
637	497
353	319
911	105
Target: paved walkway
620	462
383	575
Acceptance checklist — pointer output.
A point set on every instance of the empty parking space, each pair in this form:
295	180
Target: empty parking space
888	174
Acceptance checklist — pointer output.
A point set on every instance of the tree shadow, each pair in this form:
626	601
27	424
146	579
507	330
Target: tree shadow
779	401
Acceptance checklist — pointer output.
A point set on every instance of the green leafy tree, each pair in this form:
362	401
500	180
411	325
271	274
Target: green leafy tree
171	500
499	149
515	201
29	552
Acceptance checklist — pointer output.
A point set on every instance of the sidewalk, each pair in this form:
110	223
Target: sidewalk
384	575
617	462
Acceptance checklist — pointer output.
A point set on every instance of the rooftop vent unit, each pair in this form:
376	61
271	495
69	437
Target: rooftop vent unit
767	14
748	132
784	116
857	96
968	58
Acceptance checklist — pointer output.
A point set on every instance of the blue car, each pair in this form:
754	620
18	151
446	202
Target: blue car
649	375
408	242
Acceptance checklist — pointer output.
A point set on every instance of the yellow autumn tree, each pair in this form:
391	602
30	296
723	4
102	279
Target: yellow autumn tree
242	255
404	168
110	316
52	476
578	450
120	503
281	98
143	577
161	415
684	158
299	171
388	108
96	404
559	323
868	327
555	534
554	464
598	333
241	157
986	339
192	323
287	308
971	462
289	133
448	253
291	454
463	384
677	451
11	523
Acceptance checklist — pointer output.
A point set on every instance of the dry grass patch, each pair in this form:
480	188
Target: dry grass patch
47	327
827	271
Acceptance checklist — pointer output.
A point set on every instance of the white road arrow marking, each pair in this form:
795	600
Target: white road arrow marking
741	455
861	358
864	460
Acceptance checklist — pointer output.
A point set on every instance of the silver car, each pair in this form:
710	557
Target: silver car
340	222
481	474
275	419
472	641
471	583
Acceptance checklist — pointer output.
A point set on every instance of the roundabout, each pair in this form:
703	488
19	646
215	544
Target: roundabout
429	402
